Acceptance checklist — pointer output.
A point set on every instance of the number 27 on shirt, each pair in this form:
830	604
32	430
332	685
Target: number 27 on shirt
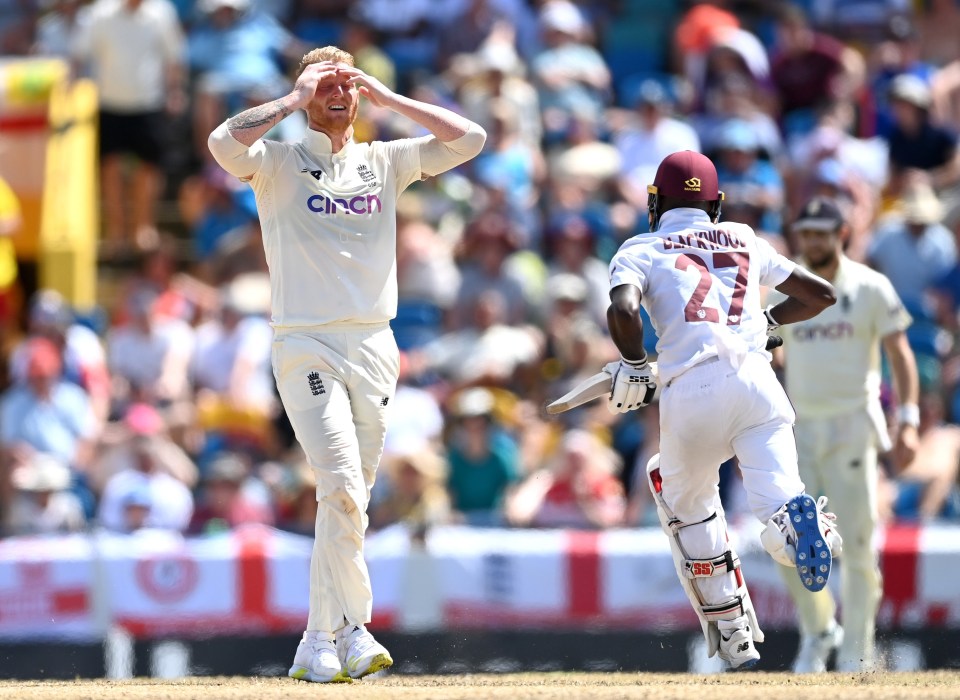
695	311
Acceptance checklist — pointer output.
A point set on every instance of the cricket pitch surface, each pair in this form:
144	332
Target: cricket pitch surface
516	686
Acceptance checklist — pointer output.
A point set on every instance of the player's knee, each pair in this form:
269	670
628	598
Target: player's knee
653	463
859	558
341	500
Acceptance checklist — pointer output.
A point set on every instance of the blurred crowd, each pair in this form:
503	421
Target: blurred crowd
159	410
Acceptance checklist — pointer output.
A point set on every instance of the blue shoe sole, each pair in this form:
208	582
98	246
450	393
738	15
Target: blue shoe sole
814	560
745	666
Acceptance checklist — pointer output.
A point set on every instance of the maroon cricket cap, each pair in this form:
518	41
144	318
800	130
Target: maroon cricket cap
687	175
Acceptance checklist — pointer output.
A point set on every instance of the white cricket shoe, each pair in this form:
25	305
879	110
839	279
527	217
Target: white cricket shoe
815	649
360	653
316	660
736	643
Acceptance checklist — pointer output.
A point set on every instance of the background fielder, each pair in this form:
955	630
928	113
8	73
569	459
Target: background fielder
327	206
833	380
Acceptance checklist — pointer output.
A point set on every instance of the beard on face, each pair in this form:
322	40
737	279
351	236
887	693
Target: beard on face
820	258
328	120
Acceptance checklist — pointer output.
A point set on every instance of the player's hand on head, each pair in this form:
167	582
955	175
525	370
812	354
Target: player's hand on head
371	88
633	385
308	82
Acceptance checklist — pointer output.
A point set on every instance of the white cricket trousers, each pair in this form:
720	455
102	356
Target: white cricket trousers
708	414
838	459
714	411
336	384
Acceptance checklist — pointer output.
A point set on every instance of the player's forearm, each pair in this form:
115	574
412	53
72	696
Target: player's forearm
625	324
903	368
252	124
441	122
793	310
627	335
807	296
438	156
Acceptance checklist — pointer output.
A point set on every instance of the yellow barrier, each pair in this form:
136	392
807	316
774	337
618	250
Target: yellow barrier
27	83
25	87
69	217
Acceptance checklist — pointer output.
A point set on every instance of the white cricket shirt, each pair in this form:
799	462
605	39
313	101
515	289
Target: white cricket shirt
833	359
701	286
329	219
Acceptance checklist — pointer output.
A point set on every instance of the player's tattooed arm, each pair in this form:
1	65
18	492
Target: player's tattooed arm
258	116
250	125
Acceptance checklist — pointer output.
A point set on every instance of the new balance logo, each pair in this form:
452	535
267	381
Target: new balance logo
317	174
743	647
384	401
316	384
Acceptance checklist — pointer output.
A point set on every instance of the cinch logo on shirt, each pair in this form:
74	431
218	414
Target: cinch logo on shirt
824	331
361	204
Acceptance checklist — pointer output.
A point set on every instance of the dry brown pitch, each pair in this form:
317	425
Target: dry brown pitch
520	686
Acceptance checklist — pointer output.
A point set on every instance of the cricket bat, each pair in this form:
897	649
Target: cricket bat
589	389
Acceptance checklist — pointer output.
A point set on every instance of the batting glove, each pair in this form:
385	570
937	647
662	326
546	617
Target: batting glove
633	385
773	340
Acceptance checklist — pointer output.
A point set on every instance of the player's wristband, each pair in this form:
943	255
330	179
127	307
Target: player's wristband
636	364
772	324
909	414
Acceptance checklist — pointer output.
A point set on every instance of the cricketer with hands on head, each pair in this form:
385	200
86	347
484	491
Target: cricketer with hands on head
700	280
327	208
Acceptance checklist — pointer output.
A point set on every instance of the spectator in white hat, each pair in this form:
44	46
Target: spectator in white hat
916	142
650	136
913	248
570	74
484	460
42	503
500	76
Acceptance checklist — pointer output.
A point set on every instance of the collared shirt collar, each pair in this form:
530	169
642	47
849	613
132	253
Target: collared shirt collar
843	267
319	143
682	217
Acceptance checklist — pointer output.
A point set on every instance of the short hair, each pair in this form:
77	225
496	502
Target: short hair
325	53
